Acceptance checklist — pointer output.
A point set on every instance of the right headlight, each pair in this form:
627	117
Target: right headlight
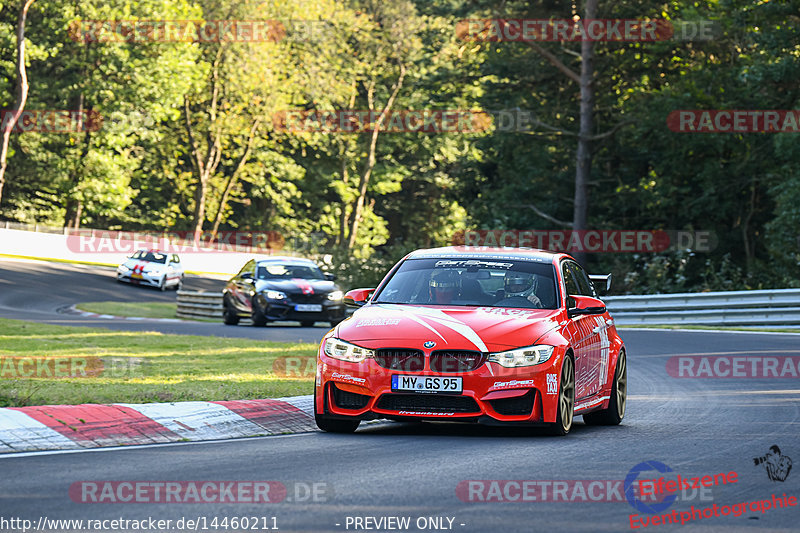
344	351
528	356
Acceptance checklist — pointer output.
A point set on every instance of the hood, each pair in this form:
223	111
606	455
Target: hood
464	328
296	286
139	266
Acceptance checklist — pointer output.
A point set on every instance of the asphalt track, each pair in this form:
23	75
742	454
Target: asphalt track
695	426
37	290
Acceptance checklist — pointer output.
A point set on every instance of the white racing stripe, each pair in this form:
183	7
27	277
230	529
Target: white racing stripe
198	420
443	319
19	432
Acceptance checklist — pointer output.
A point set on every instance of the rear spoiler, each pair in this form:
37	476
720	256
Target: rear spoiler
602	282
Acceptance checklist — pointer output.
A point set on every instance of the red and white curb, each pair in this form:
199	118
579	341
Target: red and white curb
65	427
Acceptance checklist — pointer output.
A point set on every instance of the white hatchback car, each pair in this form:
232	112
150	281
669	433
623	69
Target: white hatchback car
153	268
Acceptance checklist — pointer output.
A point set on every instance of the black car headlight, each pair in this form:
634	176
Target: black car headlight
344	351
527	356
336	296
275	295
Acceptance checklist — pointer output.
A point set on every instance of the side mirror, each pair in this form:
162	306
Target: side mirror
329	276
357	297
584	305
601	282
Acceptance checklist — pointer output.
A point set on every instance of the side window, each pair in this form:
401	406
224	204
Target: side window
175	259
569	281
250	267
585	286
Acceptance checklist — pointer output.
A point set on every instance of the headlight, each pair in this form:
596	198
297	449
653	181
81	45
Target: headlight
275	295
122	269
529	356
336	296
338	349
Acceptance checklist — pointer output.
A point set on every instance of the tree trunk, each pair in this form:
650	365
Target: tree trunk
234	175
358	209
583	161
22	93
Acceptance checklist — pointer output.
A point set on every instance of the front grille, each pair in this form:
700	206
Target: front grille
300	298
400	359
456	361
428	402
348	400
520	405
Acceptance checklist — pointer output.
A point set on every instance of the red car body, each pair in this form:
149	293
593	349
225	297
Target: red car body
457	340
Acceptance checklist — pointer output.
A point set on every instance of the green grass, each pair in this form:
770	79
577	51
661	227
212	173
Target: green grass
140	367
141	309
720	328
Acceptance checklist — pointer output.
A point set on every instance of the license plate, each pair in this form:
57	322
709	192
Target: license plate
426	384
137	276
308	308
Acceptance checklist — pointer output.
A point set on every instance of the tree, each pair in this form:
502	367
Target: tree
22	93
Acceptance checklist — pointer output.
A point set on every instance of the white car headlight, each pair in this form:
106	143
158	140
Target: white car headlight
528	356
275	295
338	349
123	269
336	296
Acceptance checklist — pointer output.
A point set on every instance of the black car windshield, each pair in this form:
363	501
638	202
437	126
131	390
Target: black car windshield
288	271
472	282
150	257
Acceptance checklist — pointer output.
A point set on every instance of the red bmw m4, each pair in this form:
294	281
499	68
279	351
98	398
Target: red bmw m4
486	335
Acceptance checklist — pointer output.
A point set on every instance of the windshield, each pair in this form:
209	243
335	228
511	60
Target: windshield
284	271
150	257
480	282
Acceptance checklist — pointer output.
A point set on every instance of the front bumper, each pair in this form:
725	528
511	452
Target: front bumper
491	393
151	280
331	311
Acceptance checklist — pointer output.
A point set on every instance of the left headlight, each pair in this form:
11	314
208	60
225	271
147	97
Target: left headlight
275	295
528	356
338	349
123	269
336	296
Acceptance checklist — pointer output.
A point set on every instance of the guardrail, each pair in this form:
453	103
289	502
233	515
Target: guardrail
734	308
199	304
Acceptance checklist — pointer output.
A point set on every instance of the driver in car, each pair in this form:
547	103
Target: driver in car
443	286
521	285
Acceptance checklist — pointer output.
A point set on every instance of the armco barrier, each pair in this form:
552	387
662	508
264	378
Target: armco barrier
199	304
735	308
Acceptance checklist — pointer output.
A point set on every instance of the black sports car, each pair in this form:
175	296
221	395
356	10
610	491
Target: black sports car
282	288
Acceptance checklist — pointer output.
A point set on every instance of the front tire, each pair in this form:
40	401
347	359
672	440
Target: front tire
259	318
566	399
229	316
162	285
615	412
336	425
